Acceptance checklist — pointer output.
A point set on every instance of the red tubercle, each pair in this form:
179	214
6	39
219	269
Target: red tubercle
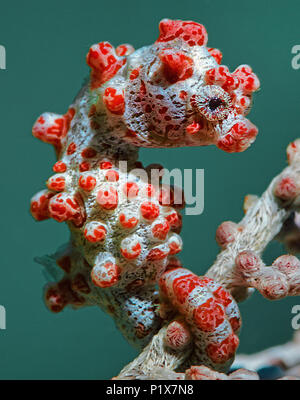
194	128
39	205
149	190
71	148
166	196
95	232
177	66
124	50
64	207
69	116
244	101
216	54
222	77
128	221
175	245
56	183
248	81
221	352
114	100
157	253
160	229
52	128
84	166
59	295
105	165
105	275
149	210
239	137
242	78
104	63
131	249
107	198
190	32
59	166
131	190
286	188
183	94
134	74
175	221
112	175
87	182
242	104
55	300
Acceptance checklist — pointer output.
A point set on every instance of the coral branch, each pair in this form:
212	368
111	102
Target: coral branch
239	268
155	354
287	356
263	220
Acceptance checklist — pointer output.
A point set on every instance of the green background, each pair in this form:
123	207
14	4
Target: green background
46	45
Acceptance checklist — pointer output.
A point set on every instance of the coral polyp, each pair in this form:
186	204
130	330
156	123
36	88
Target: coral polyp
124	223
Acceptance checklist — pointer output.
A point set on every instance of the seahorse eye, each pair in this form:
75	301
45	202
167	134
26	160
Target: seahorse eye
212	102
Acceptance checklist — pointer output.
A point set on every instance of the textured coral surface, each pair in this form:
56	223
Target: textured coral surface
124	223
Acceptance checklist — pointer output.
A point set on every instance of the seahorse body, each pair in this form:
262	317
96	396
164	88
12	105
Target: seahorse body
124	223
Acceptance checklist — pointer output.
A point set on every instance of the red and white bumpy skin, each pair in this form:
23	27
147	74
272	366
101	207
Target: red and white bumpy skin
173	93
124	226
211	313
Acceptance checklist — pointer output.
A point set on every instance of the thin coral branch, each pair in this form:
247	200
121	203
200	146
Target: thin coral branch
286	356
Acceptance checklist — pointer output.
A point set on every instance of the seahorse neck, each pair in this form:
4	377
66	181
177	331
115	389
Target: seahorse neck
89	133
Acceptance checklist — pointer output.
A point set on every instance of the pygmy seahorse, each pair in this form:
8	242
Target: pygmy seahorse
124	224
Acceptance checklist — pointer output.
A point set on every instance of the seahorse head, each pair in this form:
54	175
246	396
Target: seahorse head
173	93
